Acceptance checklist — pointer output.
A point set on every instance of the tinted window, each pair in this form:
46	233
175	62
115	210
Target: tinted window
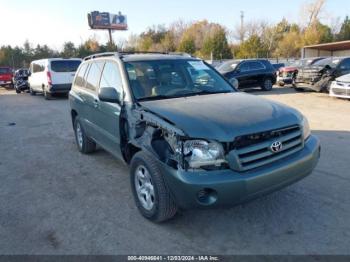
111	77
345	65
94	75
65	65
5	70
256	66
161	79
79	80
244	67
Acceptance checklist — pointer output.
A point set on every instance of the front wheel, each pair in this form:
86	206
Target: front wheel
267	84
150	191
18	91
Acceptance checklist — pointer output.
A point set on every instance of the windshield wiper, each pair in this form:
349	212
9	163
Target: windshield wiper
157	97
207	92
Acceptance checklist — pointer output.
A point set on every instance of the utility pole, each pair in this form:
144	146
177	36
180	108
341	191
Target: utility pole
242	27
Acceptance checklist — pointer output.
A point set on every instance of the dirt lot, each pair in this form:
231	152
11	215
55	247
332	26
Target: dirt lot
54	200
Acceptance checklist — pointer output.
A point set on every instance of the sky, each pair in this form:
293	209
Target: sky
57	21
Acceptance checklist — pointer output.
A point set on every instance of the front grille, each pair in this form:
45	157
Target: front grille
254	151
308	75
341	91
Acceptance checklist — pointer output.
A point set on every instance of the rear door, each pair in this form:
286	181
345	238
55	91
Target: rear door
243	75
107	114
89	96
63	71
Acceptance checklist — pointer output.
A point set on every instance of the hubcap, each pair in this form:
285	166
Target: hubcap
79	133
144	188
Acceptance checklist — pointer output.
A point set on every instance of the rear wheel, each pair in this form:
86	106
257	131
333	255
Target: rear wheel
47	95
18	91
267	84
31	91
84	143
150	191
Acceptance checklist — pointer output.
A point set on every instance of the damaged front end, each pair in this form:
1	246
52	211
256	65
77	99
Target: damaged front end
171	145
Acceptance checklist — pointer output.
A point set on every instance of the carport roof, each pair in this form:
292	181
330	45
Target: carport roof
335	46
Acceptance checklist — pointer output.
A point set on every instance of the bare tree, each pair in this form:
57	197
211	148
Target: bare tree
312	11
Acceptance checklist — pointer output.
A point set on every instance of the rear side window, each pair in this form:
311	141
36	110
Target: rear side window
65	65
345	65
94	75
111	77
38	67
79	80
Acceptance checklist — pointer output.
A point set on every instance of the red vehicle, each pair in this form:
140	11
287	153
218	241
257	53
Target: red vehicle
6	75
286	75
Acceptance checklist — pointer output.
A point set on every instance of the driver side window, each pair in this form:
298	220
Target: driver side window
244	67
345	65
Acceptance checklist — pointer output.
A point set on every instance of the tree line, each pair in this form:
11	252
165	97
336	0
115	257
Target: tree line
204	39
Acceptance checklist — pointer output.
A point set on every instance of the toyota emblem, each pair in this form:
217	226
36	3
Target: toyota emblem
276	146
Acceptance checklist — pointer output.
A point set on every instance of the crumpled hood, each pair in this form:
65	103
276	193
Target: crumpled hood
344	78
222	117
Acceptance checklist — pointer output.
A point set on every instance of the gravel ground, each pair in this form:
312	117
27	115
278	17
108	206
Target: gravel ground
54	200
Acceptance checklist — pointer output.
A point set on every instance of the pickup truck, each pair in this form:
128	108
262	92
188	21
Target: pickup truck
6	75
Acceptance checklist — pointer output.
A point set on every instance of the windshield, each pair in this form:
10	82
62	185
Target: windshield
5	70
65	65
228	66
332	62
173	78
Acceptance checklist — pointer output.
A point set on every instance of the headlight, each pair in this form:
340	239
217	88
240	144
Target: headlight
199	153
306	128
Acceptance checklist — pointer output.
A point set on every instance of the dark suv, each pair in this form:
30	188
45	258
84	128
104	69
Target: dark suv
250	73
190	138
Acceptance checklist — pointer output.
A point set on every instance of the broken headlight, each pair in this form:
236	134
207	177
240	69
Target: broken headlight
306	128
198	153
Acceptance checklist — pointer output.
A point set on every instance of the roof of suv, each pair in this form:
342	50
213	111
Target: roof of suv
142	56
150	57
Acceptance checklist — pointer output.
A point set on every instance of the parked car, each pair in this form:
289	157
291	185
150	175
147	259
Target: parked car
190	138
20	80
341	87
319	76
287	75
6	74
52	76
250	73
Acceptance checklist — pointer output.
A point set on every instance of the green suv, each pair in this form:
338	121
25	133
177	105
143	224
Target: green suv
191	139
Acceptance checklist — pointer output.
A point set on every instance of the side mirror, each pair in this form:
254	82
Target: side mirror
109	94
238	70
234	82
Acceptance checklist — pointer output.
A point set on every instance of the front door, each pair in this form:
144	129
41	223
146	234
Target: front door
107	114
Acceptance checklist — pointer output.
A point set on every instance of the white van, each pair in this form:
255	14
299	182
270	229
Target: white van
53	75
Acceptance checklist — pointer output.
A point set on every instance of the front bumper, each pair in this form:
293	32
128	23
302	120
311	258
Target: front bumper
341	90
227	187
285	80
5	82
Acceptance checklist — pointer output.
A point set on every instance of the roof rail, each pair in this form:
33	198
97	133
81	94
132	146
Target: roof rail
101	55
120	54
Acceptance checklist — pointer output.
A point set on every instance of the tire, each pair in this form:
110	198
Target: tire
32	92
18	91
280	84
267	84
84	143
163	206
47	95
